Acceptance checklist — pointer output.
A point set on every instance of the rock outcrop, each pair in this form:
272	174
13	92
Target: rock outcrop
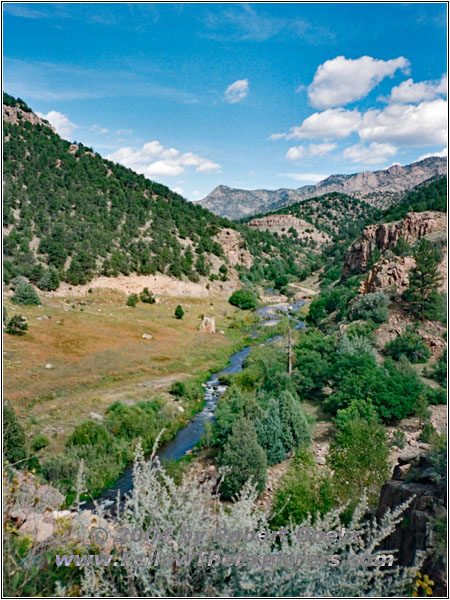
208	325
234	247
385	236
416	477
282	223
14	114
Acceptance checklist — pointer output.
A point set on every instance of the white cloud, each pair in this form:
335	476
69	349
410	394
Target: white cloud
276	136
408	91
329	124
124	132
153	160
308	177
297	152
178	190
343	80
373	154
321	149
407	125
237	91
443	153
63	126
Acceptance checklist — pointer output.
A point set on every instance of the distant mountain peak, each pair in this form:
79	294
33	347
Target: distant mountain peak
379	188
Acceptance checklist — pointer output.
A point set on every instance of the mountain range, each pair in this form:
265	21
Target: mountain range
378	188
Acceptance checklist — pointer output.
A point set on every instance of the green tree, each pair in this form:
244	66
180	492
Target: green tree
179	312
49	280
424	278
402	248
296	429
270	434
14	439
132	300
358	457
245	458
25	294
244	299
147	297
16	325
409	344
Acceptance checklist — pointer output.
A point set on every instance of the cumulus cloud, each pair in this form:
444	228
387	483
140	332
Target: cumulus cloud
343	80
297	152
373	154
443	153
333	123
276	136
62	124
305	177
237	91
153	160
408	125
408	91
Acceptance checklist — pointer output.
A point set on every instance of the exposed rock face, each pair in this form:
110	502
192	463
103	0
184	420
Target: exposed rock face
380	188
13	114
388	274
234	247
282	223
414	533
385	236
208	325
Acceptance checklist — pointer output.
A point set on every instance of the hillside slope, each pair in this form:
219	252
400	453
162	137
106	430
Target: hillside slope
69	210
379	188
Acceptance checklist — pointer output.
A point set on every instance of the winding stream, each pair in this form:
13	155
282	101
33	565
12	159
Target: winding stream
187	437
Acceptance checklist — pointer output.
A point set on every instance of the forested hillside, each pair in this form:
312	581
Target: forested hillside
70	215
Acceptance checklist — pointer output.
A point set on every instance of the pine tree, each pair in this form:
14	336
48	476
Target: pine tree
270	434
16	325
423	281
296	429
25	294
245	457
14	439
179	312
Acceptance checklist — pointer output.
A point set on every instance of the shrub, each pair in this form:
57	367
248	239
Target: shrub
179	312
438	370
16	325
25	294
409	344
402	248
158	502
356	345
243	299
90	433
40	441
178	388
132	300
371	306
246	459
14	439
303	491
358	457
147	297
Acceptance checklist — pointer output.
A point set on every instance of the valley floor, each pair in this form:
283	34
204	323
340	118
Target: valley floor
81	354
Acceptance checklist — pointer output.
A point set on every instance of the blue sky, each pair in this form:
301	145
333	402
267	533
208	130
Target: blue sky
246	95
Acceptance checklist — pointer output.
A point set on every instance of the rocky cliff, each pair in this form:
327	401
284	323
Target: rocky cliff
282	223
385	236
421	478
380	188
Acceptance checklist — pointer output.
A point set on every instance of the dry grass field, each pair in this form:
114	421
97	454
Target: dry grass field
97	355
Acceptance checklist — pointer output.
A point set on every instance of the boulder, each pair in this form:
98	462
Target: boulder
146	336
208	325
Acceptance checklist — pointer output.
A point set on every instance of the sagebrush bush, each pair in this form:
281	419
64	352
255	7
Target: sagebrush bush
371	306
25	294
157	502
